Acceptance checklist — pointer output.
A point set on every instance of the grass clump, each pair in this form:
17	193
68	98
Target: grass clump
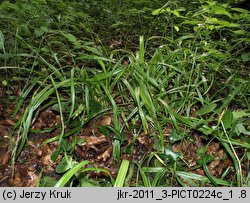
186	84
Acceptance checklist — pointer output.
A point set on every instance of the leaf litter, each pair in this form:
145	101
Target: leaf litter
35	161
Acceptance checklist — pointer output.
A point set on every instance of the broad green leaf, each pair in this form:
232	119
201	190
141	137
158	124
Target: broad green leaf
191	22
122	173
70	37
240	114
47	181
228	119
93	50
189	175
206	109
66	146
68	175
104	75
176	13
199	12
64	165
88	182
227	24
241	10
207	130
158	11
64	105
221	11
239	32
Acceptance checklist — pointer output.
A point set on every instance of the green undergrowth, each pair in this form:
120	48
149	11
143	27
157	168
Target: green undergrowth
191	73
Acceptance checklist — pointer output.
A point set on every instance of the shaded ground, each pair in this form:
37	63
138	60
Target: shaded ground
34	162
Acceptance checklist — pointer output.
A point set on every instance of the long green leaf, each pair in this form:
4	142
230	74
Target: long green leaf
119	182
68	175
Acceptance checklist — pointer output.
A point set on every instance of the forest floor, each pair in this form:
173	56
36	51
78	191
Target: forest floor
35	159
124	93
